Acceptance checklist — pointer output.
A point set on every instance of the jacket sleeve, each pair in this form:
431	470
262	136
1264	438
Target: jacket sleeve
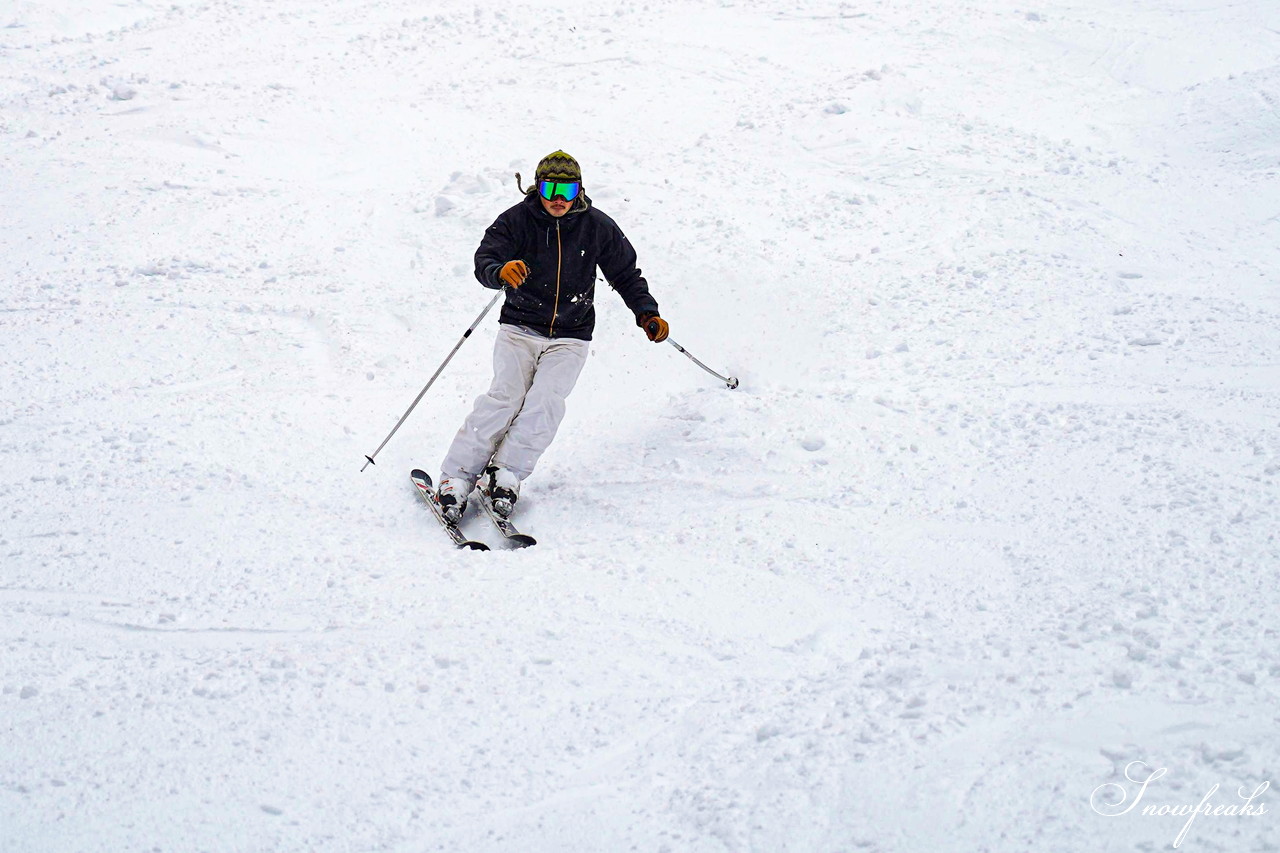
496	248
618	262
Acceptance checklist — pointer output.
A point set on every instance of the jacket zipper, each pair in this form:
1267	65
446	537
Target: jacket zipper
555	311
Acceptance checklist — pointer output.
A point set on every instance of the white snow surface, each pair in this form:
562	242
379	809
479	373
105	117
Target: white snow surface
992	515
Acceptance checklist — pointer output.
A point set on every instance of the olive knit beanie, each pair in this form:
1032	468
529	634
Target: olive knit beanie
558	166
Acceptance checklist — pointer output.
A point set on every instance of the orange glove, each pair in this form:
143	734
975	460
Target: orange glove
514	273
654	326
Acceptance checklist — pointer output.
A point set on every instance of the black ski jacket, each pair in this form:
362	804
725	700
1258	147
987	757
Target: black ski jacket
556	300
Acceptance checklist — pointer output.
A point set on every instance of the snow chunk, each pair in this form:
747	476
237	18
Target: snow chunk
766	732
467	184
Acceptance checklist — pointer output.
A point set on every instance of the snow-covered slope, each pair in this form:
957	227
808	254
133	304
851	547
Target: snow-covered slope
992	516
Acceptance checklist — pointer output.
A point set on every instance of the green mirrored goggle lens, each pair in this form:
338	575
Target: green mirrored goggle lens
566	189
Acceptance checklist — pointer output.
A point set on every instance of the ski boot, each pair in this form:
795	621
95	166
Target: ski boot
502	488
452	497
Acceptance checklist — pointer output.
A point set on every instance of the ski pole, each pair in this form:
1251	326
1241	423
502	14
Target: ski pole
731	381
423	392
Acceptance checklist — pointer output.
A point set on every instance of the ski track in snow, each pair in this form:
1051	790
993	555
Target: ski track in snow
992	515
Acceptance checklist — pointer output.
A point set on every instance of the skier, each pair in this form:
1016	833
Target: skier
545	251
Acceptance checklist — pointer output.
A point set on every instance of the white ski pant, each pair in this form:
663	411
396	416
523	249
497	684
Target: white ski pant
515	421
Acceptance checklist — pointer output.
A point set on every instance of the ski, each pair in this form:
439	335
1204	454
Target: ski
504	525
422	485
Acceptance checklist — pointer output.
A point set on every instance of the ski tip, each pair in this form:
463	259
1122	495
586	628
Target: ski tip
419	474
523	540
474	546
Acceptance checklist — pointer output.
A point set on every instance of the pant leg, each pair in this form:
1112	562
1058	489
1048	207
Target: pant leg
535	426
515	357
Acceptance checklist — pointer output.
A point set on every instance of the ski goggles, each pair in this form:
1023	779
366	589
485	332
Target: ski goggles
568	190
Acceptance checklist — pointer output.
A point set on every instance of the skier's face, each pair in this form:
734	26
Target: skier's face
557	208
